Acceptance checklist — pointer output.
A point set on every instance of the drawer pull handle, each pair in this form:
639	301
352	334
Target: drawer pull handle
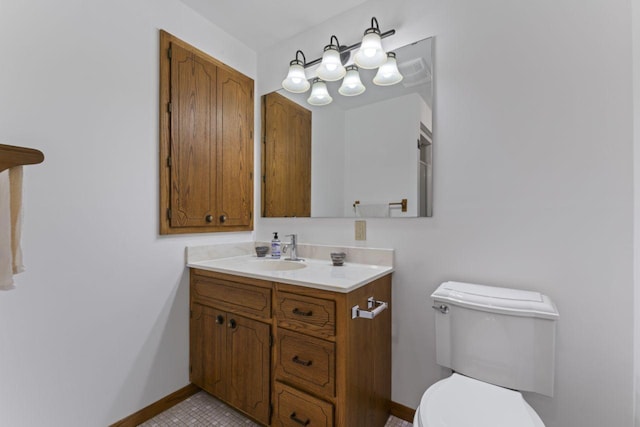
298	420
219	319
299	361
232	323
299	312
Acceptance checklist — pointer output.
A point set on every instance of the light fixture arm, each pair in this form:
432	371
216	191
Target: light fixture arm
304	59
343	49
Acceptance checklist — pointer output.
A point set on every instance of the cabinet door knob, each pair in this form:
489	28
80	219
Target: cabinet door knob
298	420
223	218
208	218
219	319
232	324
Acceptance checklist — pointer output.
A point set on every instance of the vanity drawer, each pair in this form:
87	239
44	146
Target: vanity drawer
232	296
306	362
294	408
308	314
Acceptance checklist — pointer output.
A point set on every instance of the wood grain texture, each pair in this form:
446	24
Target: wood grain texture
362	348
206	142
295	409
12	156
193	138
230	295
286	158
158	407
402	412
312	315
306	362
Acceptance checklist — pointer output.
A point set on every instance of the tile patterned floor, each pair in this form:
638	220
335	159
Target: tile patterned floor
202	410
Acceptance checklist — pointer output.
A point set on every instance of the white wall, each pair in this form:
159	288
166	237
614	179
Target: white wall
97	327
533	183
635	4
381	154
327	161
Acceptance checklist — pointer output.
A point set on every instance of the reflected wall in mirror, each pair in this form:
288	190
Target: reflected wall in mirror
359	156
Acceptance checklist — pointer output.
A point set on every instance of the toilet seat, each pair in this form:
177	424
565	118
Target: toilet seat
460	401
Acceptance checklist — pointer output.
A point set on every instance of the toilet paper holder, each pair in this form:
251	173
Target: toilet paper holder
380	306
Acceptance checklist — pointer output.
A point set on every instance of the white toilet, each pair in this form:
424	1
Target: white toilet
497	341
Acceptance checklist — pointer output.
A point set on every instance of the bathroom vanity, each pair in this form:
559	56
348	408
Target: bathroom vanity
290	345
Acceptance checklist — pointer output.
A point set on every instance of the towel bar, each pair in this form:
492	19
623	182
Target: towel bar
380	306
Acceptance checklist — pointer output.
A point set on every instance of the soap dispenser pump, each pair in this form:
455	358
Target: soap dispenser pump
275	246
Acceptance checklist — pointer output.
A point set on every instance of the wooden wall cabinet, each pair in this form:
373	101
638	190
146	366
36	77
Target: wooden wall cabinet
206	142
323	367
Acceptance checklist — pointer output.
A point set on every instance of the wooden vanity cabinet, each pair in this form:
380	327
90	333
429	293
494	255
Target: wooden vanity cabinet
330	369
230	341
291	356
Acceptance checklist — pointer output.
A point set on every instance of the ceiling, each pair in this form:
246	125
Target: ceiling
260	23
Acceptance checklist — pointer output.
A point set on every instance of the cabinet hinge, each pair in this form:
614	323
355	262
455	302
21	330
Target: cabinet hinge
251	134
168	162
264	139
169	53
264	178
168	107
168	213
250	214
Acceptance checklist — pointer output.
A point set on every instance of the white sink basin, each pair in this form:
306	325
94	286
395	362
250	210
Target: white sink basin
276	265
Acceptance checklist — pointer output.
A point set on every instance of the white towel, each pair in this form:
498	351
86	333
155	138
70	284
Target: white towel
10	225
372	210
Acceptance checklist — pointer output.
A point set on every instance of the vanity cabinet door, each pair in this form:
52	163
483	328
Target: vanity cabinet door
248	364
208	348
231	358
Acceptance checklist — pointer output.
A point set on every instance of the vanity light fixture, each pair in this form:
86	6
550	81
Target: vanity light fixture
352	85
319	93
331	68
371	55
296	80
388	73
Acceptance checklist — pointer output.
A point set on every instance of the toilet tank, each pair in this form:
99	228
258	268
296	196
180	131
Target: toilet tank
498	335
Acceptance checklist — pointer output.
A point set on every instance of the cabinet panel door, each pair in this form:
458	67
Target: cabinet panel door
235	147
193	138
248	364
208	349
287	158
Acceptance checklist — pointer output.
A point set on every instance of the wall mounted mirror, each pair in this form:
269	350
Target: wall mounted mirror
369	155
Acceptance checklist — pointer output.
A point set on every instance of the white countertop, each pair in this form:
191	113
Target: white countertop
317	273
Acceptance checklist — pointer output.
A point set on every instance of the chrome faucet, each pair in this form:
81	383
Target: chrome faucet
292	247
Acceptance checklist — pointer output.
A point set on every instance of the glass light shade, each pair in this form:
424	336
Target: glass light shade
331	68
352	85
296	80
370	55
388	73
319	93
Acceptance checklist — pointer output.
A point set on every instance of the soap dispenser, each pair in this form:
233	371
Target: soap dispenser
275	246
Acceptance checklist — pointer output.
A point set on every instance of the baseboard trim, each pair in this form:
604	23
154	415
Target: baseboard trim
158	407
403	412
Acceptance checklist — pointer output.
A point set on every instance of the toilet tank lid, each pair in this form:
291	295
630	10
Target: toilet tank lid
497	300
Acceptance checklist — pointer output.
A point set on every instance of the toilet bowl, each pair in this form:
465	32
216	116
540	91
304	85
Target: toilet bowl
459	401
